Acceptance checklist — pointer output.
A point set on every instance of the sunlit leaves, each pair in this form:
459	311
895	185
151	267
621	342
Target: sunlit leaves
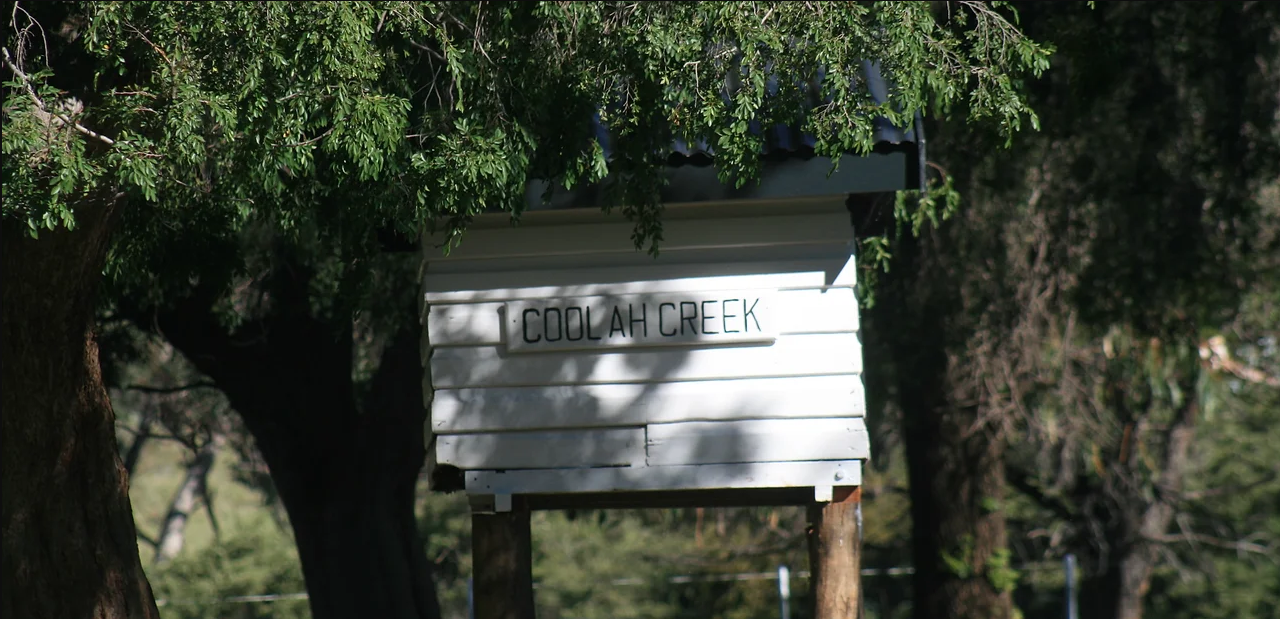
424	114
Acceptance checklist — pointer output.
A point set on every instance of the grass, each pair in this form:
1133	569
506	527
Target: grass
238	508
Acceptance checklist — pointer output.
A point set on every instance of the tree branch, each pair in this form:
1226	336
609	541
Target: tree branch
1194	495
26	81
153	45
143	536
1209	540
310	141
135	449
1022	483
204	384
1215	352
207	499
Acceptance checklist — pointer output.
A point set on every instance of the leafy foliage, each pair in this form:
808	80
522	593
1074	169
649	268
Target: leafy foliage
205	584
221	126
404	114
1107	280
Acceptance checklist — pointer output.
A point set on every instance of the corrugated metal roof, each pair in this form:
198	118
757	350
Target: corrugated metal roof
782	142
790	170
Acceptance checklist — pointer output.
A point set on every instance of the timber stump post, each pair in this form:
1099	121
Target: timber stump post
502	563
835	549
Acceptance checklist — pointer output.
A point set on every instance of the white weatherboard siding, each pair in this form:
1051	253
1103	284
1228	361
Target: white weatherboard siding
615	237
756	440
583	406
684	477
657	277
690	258
794	355
530	396
517	450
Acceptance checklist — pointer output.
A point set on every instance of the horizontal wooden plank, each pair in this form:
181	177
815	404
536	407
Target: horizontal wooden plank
838	271
587	406
542	450
795	355
833	310
757	440
663	499
637	258
513	242
690	477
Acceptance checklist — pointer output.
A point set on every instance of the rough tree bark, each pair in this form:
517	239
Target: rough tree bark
955	460
69	544
956	473
1118	591
347	478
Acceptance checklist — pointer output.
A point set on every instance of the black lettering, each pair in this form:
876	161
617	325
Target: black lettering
706	318
524	325
725	316
674	331
546	330
568	335
644	318
693	328
616	324
750	312
589	336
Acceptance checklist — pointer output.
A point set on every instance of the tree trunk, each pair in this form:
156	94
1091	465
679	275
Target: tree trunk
173	532
358	542
135	448
958	529
346	477
955	460
502	554
835	556
69	543
1120	591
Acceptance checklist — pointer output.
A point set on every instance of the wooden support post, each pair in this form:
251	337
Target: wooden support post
502	560
835	555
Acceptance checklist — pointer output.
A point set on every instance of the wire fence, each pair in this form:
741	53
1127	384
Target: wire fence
619	582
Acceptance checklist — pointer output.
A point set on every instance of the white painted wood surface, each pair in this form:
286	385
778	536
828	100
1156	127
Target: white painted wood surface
833	310
525	417
795	355
615	237
683	477
541	450
587	406
656	277
756	440
642	259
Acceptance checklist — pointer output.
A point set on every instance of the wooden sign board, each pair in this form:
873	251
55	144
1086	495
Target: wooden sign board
671	319
559	360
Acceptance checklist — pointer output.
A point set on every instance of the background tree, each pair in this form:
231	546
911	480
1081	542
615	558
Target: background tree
158	397
1176	217
143	139
1071	326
